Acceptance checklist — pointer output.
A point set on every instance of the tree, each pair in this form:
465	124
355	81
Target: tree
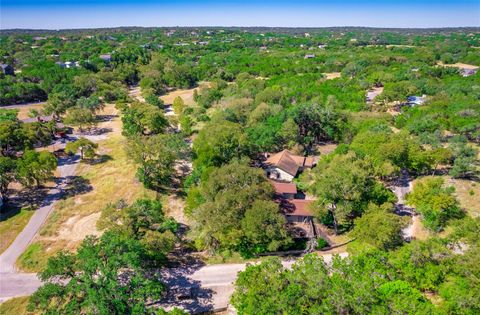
81	117
264	227
156	156
143	119
58	104
318	123
379	227
435	203
12	137
107	275
7	175
465	162
35	168
178	105
86	147
226	205
218	143
92	103
145	221
345	186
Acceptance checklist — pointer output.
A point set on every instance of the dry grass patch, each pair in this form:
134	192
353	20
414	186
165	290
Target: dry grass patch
12	224
467	193
110	181
15	306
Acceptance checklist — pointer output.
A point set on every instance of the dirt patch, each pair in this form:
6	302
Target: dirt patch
326	148
458	65
332	75
77	228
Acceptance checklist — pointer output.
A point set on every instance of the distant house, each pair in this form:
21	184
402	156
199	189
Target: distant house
297	210
322	46
106	57
68	64
416	100
309	56
284	190
285	165
7	69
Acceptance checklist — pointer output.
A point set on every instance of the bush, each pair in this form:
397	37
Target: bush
321	244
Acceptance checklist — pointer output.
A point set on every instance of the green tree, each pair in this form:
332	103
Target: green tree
379	227
81	118
225	207
86	147
178	105
7	175
143	119
345	186
218	143
156	156
107	275
35	168
434	202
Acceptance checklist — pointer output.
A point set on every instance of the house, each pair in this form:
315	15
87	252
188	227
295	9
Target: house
416	100
106	57
7	69
297	210
284	190
284	165
322	46
309	56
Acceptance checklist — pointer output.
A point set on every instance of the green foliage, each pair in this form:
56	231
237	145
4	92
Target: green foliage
81	118
379	227
7	175
218	143
233	211
106	275
156	156
143	119
435	203
35	168
86	147
359	286
344	186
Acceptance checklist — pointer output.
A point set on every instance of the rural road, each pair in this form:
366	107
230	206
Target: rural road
401	189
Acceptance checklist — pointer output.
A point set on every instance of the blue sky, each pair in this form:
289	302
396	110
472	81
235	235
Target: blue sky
56	14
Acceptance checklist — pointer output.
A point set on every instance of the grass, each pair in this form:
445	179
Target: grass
15	306
36	256
11	224
468	194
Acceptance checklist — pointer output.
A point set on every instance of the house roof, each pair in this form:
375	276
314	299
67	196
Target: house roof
297	207
284	188
284	161
289	162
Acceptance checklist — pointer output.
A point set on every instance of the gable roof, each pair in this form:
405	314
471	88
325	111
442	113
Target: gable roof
297	207
289	162
284	188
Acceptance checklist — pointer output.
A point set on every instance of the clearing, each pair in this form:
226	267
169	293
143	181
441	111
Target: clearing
332	75
458	65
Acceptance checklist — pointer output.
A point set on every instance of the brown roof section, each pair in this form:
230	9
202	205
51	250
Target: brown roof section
284	161
284	188
300	207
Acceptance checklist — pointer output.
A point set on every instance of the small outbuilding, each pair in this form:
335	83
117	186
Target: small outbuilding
7	69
